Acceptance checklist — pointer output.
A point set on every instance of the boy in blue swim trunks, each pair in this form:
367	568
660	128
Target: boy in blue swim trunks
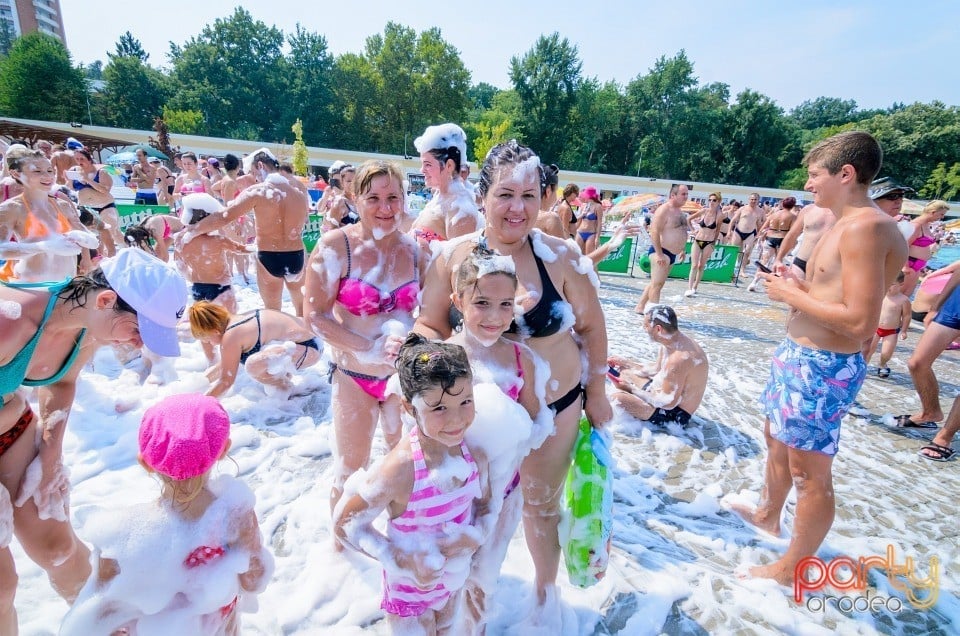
817	371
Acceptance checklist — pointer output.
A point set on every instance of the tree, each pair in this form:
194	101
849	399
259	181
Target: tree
133	94
419	80
355	102
824	111
546	79
679	123
129	46
38	81
494	125
234	74
482	94
300	155
162	141
943	183
185	122
94	70
310	69
755	136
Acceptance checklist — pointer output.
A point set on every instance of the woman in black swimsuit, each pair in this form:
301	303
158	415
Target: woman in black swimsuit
710	219
259	341
556	299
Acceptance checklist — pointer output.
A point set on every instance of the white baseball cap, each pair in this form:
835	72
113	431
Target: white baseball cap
155	290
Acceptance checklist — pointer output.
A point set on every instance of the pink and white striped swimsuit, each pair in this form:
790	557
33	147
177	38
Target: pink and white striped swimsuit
430	514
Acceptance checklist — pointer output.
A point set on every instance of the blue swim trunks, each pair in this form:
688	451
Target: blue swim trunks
949	314
809	392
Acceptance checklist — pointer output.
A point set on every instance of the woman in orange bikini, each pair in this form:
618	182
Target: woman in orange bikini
40	235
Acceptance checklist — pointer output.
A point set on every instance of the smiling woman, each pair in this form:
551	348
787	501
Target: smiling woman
361	288
40	236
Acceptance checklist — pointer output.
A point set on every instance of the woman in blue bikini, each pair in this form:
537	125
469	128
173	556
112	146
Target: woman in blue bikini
591	220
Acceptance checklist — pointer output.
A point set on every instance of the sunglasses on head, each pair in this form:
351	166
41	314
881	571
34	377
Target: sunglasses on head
892	196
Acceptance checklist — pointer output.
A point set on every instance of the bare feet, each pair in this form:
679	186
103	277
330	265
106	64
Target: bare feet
753	516
780	572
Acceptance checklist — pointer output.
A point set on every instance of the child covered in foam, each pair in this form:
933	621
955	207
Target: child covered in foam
484	293
189	561
435	491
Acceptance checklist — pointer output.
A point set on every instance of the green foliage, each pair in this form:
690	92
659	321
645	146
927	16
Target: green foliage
824	111
94	71
309	92
185	122
943	183
300	155
129	46
546	79
494	125
234	73
38	81
133	95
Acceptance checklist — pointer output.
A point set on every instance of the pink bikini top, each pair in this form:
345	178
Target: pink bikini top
192	187
361	298
923	240
513	390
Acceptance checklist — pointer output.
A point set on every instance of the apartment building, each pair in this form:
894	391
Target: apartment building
27	16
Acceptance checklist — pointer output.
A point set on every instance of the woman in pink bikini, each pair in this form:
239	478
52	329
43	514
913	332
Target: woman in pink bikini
190	180
921	243
362	285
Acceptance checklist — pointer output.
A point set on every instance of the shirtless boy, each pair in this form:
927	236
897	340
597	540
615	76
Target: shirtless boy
669	390
668	233
895	316
279	212
818	369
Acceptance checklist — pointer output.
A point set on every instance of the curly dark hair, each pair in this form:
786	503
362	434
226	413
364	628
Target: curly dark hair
424	364
509	153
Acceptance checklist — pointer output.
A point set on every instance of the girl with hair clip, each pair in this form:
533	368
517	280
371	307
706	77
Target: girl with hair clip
452	211
40	235
190	561
361	289
434	490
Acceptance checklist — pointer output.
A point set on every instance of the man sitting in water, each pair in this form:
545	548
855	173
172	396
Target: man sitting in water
670	389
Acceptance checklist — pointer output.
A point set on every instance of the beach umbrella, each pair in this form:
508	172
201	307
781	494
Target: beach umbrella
691	206
634	203
147	148
121	157
912	208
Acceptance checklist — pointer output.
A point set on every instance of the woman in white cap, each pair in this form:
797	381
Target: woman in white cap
51	330
452	211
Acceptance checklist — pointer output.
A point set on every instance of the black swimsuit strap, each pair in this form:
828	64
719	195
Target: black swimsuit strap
346	242
544	275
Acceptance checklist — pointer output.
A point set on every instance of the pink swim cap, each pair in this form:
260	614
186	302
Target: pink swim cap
182	436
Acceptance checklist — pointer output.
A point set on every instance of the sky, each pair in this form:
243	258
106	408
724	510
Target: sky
877	52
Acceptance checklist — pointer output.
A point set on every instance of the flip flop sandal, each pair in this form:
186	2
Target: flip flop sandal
884	372
943	453
904	421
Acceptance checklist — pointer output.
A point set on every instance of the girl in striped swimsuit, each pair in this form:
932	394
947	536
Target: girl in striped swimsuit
433	489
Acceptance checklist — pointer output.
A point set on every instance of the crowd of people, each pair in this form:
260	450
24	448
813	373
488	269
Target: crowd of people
490	291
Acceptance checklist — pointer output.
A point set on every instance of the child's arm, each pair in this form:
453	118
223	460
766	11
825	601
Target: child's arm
906	315
387	487
261	563
528	392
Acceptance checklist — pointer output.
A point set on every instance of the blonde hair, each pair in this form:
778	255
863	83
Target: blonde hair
935	206
207	318
369	170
